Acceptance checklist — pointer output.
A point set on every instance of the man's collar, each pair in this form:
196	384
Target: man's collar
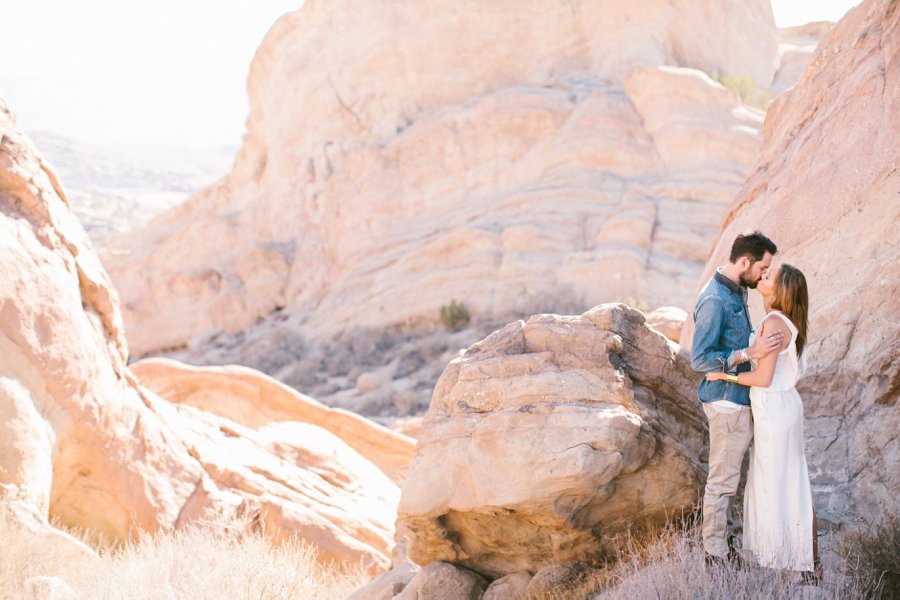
737	289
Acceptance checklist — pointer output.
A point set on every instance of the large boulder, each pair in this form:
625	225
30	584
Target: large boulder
548	438
522	157
827	190
82	442
668	320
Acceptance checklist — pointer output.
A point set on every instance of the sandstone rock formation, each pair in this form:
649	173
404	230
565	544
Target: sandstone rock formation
827	190
83	442
251	398
522	157
548	438
668	320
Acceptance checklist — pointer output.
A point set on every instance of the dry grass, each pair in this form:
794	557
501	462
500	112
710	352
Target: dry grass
223	561
209	561
669	566
872	558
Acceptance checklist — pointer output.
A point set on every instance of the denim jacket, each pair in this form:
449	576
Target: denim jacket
721	325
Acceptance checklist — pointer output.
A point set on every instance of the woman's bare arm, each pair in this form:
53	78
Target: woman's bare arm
765	367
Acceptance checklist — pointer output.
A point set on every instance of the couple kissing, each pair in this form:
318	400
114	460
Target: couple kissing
749	394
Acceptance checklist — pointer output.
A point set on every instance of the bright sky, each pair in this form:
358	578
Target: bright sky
797	12
167	72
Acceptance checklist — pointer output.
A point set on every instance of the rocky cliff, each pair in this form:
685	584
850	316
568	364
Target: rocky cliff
826	188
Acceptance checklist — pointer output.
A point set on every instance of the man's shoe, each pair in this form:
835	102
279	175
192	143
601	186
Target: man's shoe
711	560
810	578
736	558
813	577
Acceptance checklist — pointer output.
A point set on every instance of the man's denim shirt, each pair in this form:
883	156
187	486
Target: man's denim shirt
721	325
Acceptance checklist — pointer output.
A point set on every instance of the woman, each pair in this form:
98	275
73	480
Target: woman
780	522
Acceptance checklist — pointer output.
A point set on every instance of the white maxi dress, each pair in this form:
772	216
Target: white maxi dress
778	500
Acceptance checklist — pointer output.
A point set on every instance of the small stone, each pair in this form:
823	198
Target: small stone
445	581
509	587
45	587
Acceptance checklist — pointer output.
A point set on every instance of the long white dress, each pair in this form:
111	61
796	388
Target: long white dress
778	500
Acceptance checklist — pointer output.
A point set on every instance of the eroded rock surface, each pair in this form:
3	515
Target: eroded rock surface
549	437
83	442
250	398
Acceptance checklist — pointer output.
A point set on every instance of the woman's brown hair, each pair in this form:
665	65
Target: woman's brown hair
792	299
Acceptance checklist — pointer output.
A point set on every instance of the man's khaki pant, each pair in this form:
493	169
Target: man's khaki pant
729	437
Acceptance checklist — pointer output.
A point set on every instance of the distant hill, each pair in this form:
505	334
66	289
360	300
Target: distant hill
115	189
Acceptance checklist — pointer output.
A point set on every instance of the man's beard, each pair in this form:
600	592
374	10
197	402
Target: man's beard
746	282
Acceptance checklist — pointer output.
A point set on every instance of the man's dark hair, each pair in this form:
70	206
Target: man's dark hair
752	244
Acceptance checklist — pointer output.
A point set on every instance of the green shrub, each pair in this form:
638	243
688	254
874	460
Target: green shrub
454	315
747	88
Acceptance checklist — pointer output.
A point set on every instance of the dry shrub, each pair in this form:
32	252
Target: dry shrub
455	315
669	565
212	560
873	558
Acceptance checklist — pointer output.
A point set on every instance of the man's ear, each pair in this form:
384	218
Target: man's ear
743	262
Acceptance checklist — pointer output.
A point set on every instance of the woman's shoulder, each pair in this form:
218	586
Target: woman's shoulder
778	319
774	321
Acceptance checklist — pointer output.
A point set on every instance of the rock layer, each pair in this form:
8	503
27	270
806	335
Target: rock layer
81	441
827	190
549	437
248	397
525	158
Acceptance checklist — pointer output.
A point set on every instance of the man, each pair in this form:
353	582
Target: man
721	335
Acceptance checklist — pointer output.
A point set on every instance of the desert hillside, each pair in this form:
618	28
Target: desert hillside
588	162
115	189
517	158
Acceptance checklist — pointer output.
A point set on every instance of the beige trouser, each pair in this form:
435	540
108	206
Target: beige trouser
729	437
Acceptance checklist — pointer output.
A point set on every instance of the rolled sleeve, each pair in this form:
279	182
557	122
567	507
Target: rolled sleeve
733	359
707	355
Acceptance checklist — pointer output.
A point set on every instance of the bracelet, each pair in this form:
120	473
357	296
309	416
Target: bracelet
731	378
744	356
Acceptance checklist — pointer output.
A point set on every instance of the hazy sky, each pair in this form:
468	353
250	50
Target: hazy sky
165	72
